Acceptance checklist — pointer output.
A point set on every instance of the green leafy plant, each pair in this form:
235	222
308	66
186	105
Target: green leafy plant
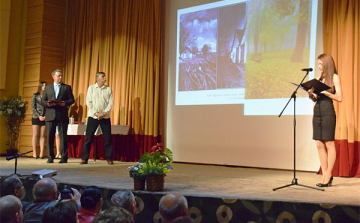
134	172
156	162
14	110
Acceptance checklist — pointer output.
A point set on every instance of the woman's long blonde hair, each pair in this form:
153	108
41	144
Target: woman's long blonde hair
329	69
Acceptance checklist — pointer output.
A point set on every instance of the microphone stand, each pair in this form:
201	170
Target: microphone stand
295	180
15	157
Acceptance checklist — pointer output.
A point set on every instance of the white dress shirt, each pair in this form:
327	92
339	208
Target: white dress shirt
99	99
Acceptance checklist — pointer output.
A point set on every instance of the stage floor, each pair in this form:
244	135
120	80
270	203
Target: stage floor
201	180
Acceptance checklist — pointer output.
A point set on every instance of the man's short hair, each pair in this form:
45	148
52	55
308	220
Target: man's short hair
61	212
176	209
9	185
54	72
123	199
90	198
44	188
9	207
114	215
97	75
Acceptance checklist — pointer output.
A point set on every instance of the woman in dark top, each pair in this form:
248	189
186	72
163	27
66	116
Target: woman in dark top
38	121
324	119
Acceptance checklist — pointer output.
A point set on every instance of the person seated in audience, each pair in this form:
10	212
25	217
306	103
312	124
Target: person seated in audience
126	200
10	209
172	206
91	204
114	215
183	219
45	194
12	185
62	212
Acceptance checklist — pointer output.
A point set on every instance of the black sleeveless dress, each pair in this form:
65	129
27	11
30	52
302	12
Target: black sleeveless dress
324	119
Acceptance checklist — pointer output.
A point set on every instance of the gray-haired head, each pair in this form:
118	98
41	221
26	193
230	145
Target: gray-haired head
172	206
97	75
124	199
45	190
54	72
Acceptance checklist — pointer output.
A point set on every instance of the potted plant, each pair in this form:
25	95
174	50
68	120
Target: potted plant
156	166
139	178
14	110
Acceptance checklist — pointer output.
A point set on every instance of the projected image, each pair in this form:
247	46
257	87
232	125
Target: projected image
245	52
278	41
197	50
231	47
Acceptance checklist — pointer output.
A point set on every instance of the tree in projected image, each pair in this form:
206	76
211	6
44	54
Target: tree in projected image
278	46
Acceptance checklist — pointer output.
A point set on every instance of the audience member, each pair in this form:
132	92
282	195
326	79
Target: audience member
126	200
183	219
45	195
114	215
10	209
62	212
172	206
12	185
91	204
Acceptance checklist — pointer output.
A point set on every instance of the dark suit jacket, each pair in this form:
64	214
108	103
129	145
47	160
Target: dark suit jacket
57	112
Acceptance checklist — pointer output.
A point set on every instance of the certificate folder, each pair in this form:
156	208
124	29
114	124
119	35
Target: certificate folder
317	85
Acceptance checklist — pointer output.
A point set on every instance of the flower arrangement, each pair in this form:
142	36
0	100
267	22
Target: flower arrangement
156	162
14	110
134	172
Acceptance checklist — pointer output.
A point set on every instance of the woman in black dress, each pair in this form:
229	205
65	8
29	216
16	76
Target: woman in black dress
38	121
324	119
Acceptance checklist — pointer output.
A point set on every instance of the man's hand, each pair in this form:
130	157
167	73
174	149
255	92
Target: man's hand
100	115
76	197
62	103
50	104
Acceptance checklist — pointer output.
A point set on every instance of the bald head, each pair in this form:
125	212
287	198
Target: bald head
45	190
173	205
10	209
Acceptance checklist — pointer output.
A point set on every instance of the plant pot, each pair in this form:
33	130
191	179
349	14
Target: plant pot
139	184
155	182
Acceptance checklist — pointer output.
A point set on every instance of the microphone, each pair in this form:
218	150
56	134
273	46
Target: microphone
307	69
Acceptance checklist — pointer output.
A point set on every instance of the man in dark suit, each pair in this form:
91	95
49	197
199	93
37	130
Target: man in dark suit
57	98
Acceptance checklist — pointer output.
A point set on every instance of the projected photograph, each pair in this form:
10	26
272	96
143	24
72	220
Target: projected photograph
197	50
278	40
231	47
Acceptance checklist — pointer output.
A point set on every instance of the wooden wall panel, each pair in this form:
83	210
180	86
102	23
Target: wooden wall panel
44	52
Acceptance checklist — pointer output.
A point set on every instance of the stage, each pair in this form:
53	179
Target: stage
207	182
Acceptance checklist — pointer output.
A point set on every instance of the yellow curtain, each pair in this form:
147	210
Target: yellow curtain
342	40
122	39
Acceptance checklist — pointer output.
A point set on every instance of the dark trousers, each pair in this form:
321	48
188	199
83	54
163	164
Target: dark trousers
51	129
92	125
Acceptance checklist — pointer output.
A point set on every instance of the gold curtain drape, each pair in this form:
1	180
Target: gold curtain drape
341	39
122	39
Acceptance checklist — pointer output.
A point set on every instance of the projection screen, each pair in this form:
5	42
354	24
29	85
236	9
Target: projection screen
232	67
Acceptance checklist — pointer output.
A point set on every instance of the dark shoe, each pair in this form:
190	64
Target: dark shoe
83	162
110	162
326	185
50	161
42	157
63	161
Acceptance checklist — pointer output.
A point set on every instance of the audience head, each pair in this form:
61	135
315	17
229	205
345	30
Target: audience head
183	219
126	200
172	206
12	185
60	213
45	190
91	199
10	209
114	215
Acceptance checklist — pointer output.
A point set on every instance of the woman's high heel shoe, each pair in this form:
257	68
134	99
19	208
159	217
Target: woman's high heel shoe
325	185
